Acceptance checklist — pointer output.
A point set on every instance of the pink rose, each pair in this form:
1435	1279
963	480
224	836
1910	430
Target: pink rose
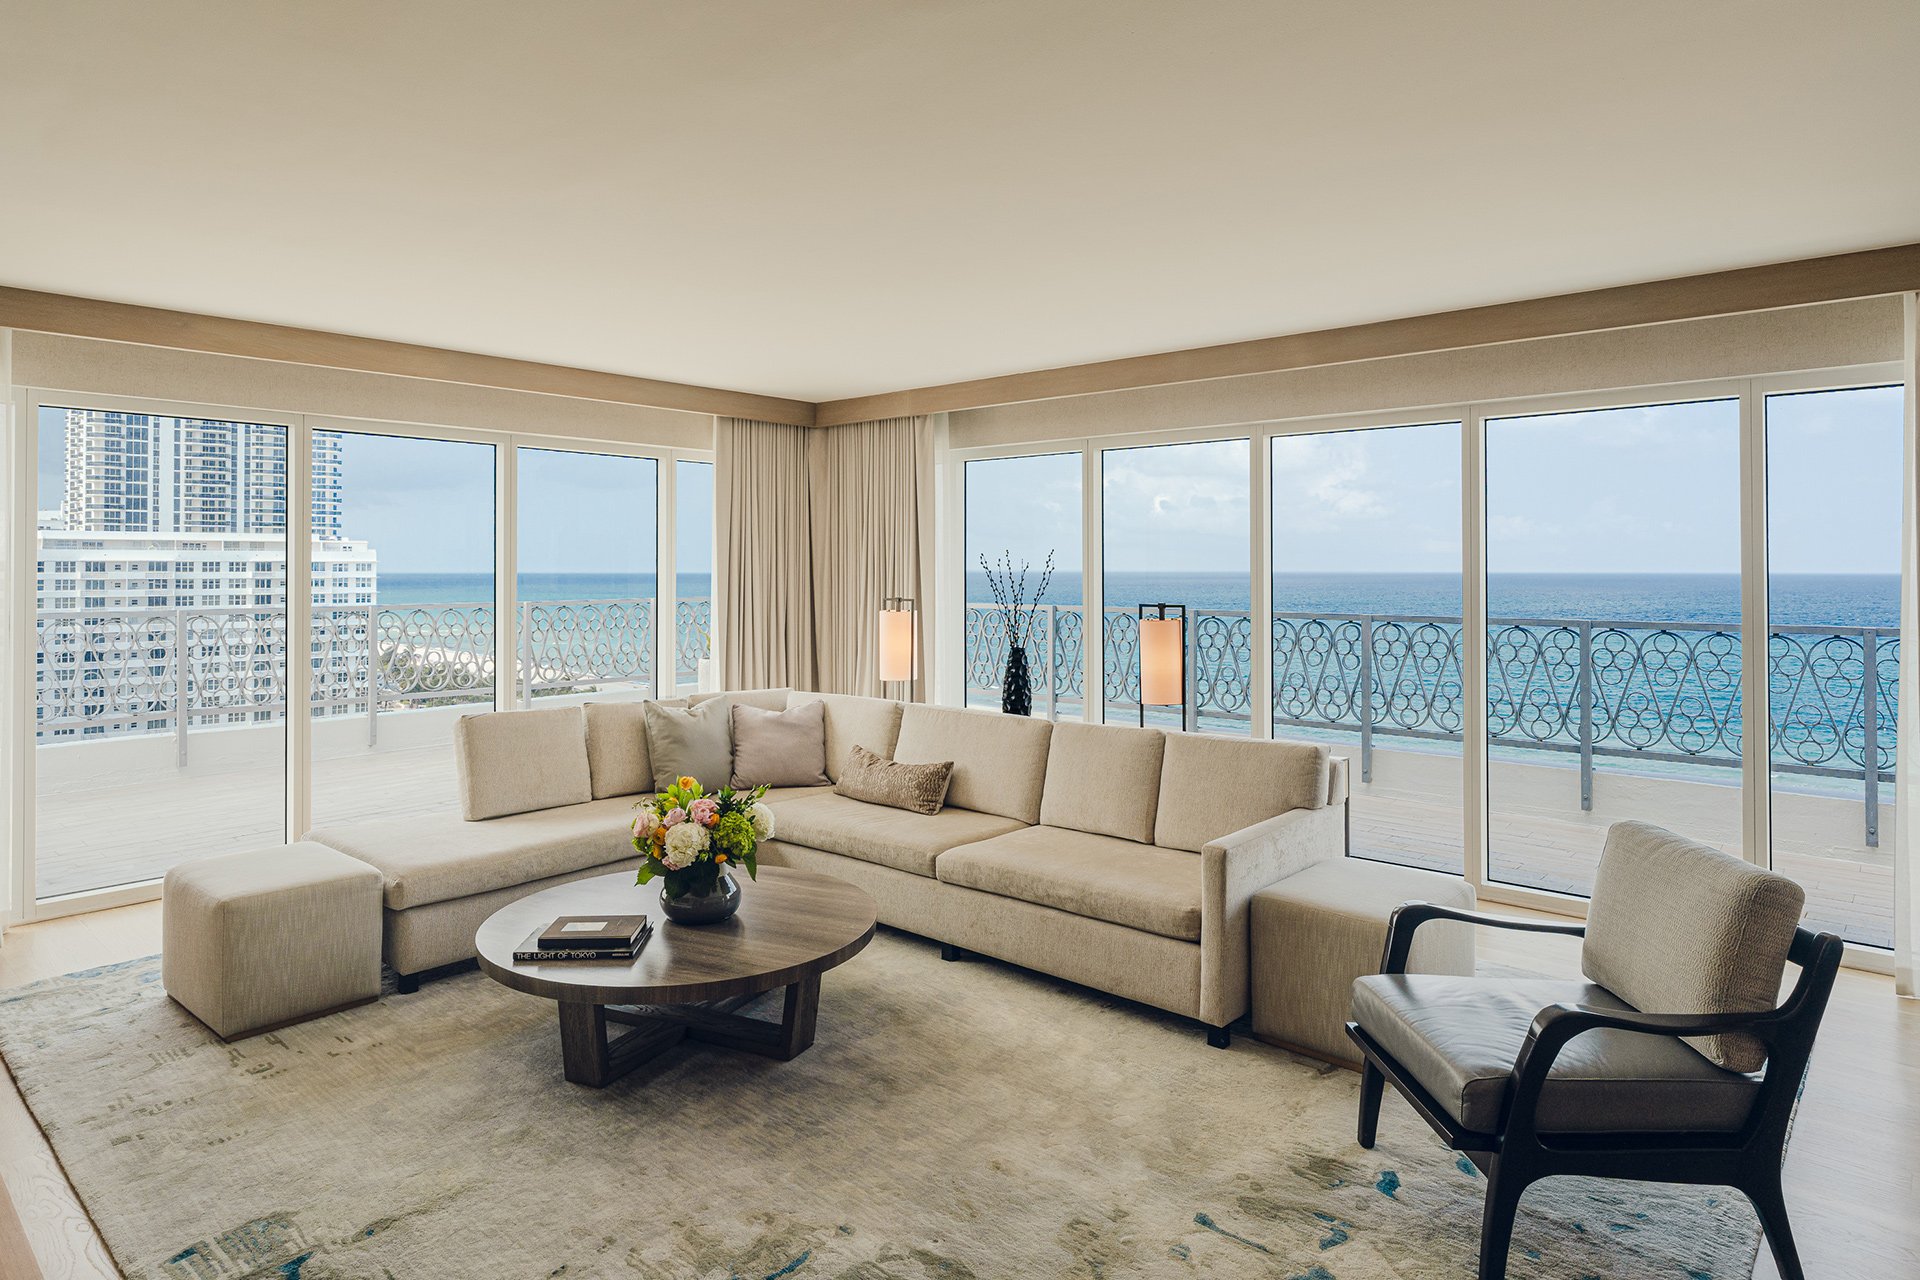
705	811
674	817
643	824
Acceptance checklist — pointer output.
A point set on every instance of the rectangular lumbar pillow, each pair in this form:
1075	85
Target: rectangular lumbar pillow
918	788
691	742
780	748
519	761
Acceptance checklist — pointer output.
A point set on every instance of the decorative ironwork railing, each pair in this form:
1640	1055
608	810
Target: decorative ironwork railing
172	670
1650	691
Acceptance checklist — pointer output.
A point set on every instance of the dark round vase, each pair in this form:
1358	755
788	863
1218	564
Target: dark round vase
1016	689
716	902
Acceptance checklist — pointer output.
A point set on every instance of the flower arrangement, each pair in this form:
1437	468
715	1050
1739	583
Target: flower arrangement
690	837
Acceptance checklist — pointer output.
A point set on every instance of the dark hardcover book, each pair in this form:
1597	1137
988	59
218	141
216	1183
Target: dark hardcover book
531	952
593	933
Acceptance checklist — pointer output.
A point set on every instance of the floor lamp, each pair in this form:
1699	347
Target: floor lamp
898	630
1163	659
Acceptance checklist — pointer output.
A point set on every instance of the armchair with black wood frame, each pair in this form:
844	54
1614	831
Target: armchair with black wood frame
1533	1078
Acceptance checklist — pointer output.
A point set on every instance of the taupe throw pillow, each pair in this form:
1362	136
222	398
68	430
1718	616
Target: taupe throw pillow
780	748
690	742
918	788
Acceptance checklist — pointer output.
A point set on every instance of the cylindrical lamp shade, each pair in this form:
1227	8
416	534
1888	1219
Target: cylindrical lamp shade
896	644
1161	676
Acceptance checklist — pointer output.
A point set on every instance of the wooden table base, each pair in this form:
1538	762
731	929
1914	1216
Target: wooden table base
594	1059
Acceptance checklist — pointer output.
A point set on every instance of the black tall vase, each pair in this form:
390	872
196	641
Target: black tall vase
1016	690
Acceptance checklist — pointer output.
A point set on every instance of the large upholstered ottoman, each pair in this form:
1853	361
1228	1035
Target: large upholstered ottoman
254	941
1320	928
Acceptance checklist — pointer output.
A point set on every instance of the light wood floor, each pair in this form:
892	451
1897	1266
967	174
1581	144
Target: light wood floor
1853	1171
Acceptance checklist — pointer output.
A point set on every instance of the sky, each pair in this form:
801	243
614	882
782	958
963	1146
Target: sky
1638	490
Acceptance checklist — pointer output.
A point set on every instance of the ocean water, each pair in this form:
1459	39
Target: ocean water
1845	600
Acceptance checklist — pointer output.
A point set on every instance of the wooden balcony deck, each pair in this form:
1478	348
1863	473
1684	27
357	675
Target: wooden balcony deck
95	835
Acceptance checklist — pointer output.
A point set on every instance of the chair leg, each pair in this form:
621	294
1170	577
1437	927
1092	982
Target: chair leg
1771	1204
1372	1086
1504	1189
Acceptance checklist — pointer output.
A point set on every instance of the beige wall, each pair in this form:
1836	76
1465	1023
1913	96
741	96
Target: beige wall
56	362
1830	335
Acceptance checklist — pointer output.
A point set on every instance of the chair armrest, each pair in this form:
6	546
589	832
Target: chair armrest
1409	916
1233	869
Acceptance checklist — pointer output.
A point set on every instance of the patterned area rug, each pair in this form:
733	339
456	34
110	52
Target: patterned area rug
953	1121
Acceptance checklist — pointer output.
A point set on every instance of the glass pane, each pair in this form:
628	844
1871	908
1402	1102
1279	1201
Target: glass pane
403	623
589	533
693	572
160	648
1613	638
1019	511
1366	626
1833	650
1176	532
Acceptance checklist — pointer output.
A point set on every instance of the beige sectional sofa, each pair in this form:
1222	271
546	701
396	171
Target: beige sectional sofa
1120	858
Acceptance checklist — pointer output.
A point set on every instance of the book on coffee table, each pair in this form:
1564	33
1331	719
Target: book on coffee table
532	951
588	933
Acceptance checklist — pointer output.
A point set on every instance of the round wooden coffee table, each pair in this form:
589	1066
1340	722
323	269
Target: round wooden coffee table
685	984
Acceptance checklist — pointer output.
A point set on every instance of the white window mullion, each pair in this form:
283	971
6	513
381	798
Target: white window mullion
506	559
666	577
1260	619
1093	621
1473	645
299	627
1756	739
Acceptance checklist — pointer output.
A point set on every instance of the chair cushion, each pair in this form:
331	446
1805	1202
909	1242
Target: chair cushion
1119	881
434	857
854	721
873	833
1459	1037
1212	786
1103	778
691	742
617	749
1679	927
999	761
917	788
516	761
779	748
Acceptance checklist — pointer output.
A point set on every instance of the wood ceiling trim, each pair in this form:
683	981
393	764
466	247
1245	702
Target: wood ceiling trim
188	331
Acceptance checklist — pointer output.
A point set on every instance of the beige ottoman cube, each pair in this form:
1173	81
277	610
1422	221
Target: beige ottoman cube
1319	929
254	941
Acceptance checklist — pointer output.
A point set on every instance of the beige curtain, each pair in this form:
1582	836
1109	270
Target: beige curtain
763	555
873	535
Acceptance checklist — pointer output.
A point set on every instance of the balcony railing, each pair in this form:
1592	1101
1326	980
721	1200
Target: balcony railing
104	673
1647	691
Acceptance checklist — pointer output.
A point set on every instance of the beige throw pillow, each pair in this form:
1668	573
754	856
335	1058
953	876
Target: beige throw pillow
690	742
917	788
780	748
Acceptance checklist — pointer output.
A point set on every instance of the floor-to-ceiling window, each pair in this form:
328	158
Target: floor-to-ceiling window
1175	531
1020	513
1366	625
587	582
1614	633
693	573
159	653
403	617
1833	602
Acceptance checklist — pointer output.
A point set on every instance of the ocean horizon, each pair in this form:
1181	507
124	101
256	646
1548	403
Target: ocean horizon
1797	599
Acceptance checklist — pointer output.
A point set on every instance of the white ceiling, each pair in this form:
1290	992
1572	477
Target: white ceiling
846	196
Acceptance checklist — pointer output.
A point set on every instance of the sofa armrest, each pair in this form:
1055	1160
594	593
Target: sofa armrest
1233	869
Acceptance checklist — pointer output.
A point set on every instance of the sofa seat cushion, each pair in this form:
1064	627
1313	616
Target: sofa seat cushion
780	797
874	833
1137	885
433	857
1459	1037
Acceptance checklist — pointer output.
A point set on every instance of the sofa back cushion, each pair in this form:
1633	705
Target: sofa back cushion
518	761
691	742
779	748
1679	927
1211	787
1103	779
765	699
999	762
854	721
617	749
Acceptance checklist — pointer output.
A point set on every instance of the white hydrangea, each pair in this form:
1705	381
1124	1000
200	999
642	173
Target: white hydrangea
685	844
761	816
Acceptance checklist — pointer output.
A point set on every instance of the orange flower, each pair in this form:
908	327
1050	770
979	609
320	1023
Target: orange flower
719	857
687	784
